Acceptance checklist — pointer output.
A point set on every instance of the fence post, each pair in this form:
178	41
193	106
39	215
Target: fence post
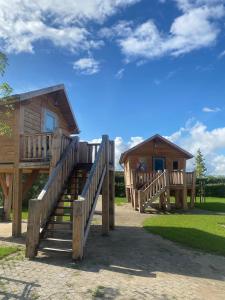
78	229
33	228
105	189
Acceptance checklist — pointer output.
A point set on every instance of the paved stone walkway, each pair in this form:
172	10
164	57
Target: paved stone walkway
129	264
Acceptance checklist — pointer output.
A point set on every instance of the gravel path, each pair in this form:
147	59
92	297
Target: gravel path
129	264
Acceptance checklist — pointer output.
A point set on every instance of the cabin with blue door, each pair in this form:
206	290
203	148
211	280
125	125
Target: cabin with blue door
156	169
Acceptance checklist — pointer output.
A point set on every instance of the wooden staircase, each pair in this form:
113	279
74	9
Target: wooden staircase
60	218
153	190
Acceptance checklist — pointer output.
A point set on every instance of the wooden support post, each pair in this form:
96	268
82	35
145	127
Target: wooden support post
135	199
105	190
141	201
111	200
17	203
161	201
78	229
184	191
177	198
33	228
193	190
8	208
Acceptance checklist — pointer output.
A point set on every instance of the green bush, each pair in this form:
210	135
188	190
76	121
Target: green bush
215	190
119	184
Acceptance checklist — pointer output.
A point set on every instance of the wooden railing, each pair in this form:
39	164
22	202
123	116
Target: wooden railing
85	206
36	146
181	177
141	180
157	186
41	208
44	146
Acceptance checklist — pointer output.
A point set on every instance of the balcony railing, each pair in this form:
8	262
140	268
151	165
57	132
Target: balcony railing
43	146
177	177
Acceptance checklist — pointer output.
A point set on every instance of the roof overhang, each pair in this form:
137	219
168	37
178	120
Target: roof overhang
59	93
125	154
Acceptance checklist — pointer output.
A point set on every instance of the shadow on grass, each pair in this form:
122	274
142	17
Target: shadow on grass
212	206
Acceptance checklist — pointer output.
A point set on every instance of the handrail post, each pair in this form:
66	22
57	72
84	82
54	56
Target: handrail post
112	187
78	229
33	228
56	147
105	189
167	189
184	191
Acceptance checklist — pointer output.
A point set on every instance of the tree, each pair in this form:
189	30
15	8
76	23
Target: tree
200	166
5	91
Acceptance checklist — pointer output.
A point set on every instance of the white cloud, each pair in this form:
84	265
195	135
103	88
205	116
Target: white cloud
222	54
120	73
87	66
194	136
22	23
197	27
211	109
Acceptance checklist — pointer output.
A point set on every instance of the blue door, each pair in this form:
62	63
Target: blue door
158	164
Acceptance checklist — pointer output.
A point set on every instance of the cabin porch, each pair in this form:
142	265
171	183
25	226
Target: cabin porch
145	188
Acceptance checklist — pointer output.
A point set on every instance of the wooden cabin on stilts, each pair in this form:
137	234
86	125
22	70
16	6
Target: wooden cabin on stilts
155	170
44	139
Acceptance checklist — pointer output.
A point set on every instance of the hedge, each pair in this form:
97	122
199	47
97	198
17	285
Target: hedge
119	184
214	190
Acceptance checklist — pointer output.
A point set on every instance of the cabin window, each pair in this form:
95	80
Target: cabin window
158	164
142	165
50	121
175	165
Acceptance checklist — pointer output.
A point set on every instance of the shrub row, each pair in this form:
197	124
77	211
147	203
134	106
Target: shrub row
214	190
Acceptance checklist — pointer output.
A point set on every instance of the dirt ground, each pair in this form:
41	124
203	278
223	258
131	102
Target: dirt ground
128	264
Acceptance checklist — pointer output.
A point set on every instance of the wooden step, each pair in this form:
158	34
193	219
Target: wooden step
64	207
55	214
60	222
55	230
53	239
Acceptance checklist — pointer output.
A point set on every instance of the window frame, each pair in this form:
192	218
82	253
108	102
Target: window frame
153	162
53	115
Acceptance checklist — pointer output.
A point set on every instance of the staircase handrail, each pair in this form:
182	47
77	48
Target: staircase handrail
84	208
41	208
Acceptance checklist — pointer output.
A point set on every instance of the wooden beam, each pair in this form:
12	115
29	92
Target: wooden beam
4	185
105	190
17	203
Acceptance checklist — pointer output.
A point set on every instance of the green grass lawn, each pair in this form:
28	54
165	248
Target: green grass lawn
212	204
5	251
203	232
120	201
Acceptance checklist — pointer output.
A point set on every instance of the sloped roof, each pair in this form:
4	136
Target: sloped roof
59	92
125	154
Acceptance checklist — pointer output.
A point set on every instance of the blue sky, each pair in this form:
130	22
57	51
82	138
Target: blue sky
132	68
